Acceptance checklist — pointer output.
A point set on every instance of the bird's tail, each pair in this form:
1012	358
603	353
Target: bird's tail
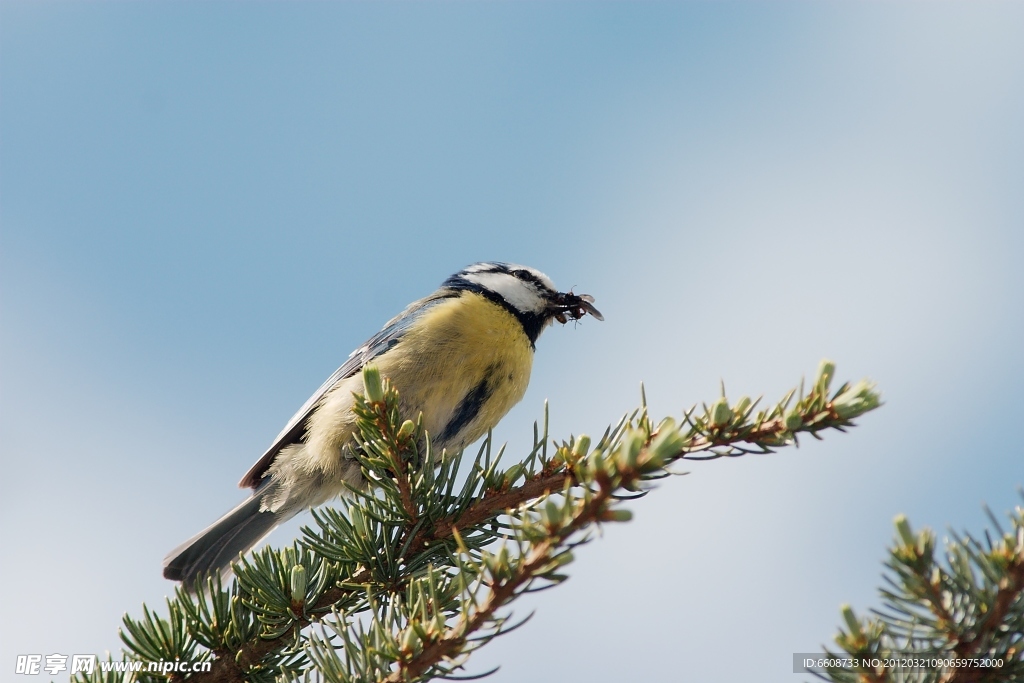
216	547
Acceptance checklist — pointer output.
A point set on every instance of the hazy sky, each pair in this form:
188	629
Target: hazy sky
205	206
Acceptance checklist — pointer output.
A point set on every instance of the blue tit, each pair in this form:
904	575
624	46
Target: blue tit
461	358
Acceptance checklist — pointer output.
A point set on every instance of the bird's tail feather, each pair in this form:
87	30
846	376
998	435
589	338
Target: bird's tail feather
216	547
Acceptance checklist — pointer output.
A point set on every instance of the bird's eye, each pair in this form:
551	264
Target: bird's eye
521	274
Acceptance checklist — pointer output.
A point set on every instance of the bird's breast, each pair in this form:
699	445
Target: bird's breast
464	364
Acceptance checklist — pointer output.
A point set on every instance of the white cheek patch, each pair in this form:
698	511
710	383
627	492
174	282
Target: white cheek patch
523	296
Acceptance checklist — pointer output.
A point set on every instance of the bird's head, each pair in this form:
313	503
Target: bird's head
525	292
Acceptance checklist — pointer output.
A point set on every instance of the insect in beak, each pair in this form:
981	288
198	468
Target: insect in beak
568	306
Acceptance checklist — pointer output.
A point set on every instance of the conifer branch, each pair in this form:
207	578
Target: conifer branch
413	553
593	510
959	621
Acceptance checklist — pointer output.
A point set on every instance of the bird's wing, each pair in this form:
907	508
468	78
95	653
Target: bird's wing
387	338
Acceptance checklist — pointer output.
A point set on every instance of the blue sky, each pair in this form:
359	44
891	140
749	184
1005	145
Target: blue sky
205	206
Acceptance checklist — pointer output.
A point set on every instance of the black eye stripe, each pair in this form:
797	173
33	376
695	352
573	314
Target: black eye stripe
519	274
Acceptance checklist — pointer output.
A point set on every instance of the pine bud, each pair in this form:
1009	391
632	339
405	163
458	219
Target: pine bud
667	445
551	516
410	640
852	622
903	528
668	424
582	445
794	420
512	475
298	581
741	406
407	429
721	413
632	444
564	558
857	400
617	516
374	387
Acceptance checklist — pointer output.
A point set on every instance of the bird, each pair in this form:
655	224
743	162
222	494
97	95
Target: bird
459	358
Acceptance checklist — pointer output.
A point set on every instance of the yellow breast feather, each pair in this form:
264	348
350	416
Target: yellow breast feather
464	365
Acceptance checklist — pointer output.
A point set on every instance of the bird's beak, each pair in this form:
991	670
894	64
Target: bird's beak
568	306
